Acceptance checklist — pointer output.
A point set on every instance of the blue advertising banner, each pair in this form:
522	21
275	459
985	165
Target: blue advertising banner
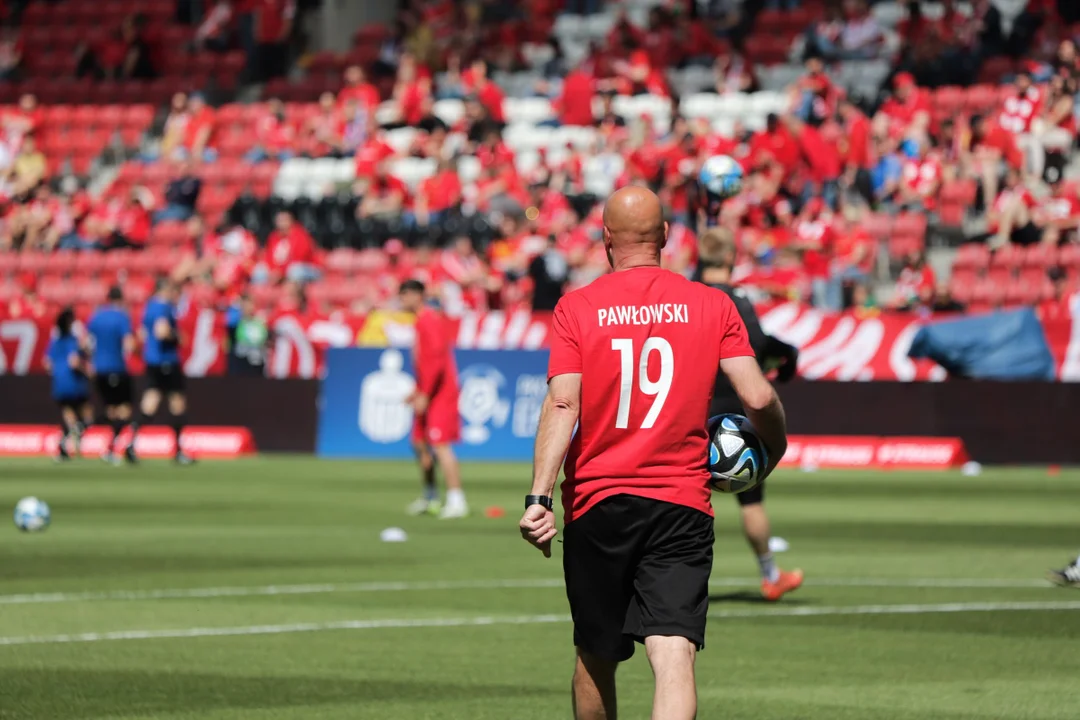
362	410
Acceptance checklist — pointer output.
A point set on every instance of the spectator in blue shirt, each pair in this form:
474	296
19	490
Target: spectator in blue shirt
161	352
65	360
113	340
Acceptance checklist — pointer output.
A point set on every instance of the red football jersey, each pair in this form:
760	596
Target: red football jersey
433	357
648	344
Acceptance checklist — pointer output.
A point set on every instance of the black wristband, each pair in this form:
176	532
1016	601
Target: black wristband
544	500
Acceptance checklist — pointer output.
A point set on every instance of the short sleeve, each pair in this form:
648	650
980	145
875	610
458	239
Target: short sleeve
565	342
734	342
125	324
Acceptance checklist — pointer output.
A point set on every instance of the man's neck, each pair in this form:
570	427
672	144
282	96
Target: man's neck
636	261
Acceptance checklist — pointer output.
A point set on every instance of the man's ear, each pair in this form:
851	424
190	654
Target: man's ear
663	243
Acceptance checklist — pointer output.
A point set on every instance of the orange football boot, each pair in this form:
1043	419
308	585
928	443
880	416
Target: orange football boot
787	582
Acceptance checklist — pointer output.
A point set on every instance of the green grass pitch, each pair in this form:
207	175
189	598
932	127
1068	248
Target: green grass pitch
258	589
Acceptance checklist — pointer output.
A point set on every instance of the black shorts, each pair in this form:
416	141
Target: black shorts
114	388
166	378
637	567
74	404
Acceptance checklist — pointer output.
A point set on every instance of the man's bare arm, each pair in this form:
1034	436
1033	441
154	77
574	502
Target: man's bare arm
558	416
761	403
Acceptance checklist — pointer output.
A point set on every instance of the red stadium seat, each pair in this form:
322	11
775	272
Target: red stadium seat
973	255
1000	274
1069	256
949	100
61	263
981	98
911	225
962	286
988	292
878	225
90	264
138	116
902	246
1041	256
1033	276
1009	256
952	213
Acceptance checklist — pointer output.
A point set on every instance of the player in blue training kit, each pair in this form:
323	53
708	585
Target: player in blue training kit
66	362
113	341
161	351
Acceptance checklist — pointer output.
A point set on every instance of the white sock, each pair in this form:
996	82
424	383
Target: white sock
769	571
455	498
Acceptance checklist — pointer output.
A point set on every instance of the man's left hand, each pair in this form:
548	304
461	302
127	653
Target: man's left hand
419	403
538	528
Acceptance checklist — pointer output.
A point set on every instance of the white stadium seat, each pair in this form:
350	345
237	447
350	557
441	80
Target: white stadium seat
344	170
468	168
449	111
412	171
601	172
401	139
526	161
700	105
528	110
387	113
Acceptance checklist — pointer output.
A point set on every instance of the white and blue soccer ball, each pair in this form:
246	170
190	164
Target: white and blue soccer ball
32	515
737	457
721	176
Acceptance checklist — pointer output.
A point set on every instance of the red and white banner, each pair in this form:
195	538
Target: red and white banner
832	346
152	441
898	453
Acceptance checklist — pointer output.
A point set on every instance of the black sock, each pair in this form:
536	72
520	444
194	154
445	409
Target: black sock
178	423
117	426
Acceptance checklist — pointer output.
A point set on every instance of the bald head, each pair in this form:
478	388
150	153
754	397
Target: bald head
634	228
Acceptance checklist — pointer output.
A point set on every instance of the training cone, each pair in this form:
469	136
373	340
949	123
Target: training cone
494	512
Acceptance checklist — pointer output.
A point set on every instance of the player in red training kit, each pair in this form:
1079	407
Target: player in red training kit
435	402
634	357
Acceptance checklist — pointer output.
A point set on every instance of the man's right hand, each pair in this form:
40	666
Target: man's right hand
538	528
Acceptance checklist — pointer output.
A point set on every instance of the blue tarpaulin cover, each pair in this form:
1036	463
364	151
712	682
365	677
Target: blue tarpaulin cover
1008	345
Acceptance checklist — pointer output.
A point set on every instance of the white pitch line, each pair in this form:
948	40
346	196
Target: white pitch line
405	586
393	623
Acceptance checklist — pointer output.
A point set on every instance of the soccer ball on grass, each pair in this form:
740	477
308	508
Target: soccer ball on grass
737	457
32	515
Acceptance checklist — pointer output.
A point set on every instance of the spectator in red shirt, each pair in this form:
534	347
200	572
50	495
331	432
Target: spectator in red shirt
915	286
437	196
132	228
215	31
275	136
358	88
856	148
1058	307
1010	216
923	173
775	141
909	106
989	146
199	131
1058	216
734	73
289	255
410	90
816	95
319	136
273	25
575	103
385	196
476	82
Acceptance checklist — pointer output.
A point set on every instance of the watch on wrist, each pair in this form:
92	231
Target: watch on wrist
544	500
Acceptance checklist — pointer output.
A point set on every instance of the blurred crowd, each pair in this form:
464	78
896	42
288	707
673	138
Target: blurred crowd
839	190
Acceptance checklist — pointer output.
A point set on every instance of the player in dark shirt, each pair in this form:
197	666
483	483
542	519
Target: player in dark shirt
113	340
717	260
